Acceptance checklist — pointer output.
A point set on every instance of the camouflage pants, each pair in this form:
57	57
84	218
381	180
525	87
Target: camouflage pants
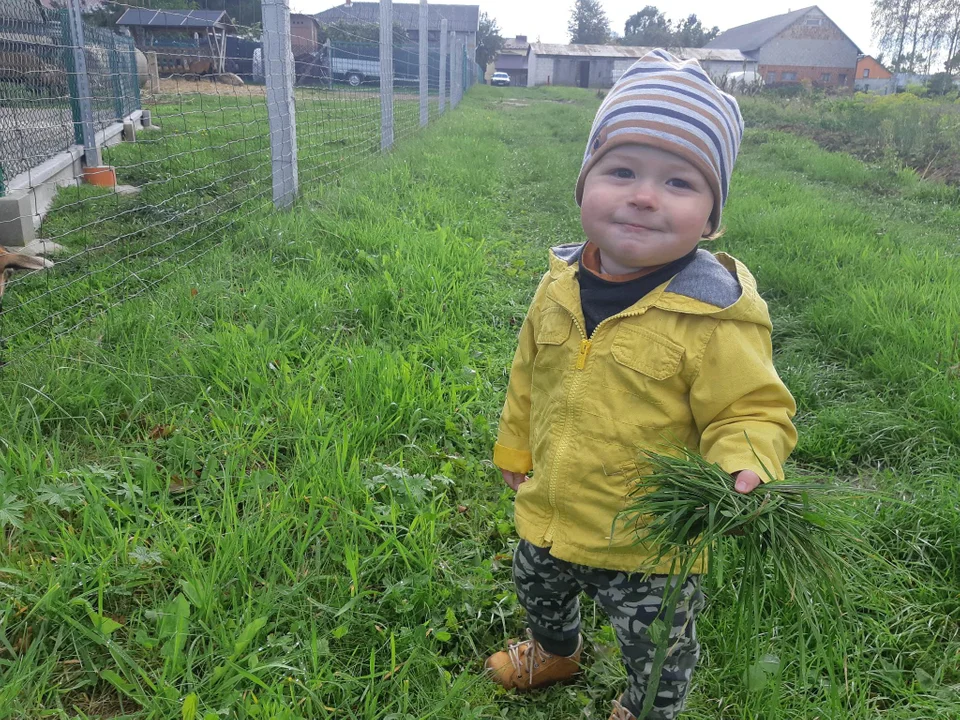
549	590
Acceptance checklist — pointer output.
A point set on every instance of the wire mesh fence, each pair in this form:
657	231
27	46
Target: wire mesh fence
189	142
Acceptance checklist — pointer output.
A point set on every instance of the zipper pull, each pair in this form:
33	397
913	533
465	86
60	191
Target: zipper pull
582	357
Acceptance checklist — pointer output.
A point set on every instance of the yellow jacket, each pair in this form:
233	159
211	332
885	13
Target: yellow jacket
690	364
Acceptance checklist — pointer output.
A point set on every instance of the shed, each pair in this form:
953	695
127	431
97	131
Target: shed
464	20
600	66
304	33
192	41
512	59
800	45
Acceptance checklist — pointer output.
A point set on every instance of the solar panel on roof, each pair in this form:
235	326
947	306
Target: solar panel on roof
173	18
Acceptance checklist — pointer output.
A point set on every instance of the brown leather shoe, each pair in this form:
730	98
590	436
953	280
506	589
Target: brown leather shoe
526	665
620	712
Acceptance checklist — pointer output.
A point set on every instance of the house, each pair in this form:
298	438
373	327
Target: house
874	77
464	20
800	45
512	59
304	33
599	66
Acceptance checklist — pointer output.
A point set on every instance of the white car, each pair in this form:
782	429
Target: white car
500	78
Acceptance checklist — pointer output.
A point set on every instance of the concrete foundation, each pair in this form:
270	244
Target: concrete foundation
42	182
16	223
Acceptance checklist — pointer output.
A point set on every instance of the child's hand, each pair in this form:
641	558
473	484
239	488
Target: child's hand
747	481
513	479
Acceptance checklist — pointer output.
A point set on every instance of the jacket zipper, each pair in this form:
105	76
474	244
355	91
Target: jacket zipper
585	345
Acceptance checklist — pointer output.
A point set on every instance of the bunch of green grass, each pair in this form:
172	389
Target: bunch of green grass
798	533
798	536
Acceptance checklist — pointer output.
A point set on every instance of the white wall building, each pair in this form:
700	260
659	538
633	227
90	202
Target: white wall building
600	66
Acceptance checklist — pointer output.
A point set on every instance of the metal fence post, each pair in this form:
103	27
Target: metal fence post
453	69
424	64
82	83
281	111
443	64
461	51
386	74
458	72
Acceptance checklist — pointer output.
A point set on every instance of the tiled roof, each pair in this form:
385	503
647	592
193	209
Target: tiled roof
752	35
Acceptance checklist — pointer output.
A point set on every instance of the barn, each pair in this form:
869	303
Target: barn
599	66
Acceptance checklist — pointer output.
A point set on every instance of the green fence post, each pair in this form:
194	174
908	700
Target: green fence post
67	44
115	76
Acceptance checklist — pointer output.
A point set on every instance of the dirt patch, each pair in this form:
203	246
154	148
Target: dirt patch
202	86
871	151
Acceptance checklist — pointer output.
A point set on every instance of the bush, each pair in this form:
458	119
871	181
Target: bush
923	133
940	84
786	90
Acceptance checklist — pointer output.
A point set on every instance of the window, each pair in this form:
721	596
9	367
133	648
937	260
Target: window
866	72
788	77
825	77
771	77
843	78
814	22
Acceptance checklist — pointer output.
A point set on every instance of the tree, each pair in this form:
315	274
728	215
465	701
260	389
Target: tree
651	28
588	23
648	27
489	42
691	33
891	22
952	37
940	84
917	33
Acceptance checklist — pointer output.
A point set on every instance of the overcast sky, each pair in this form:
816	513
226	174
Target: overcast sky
547	19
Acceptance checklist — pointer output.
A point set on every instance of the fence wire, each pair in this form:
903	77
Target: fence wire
187	155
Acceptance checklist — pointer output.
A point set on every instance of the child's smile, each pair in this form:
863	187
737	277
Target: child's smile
644	207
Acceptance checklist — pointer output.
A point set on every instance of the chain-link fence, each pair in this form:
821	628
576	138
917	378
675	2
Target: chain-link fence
39	97
233	119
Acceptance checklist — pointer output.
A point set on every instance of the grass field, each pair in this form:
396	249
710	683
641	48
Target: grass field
205	171
264	489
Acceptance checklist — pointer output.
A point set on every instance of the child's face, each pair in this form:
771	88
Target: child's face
643	206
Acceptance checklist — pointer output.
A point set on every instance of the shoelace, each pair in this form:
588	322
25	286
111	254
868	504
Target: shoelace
533	657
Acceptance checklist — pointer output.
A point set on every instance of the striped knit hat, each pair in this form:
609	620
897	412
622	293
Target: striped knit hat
672	105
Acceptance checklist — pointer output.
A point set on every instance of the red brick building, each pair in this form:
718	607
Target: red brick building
800	45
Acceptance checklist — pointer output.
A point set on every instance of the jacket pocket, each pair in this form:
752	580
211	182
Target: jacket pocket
554	327
643	370
553	332
646	352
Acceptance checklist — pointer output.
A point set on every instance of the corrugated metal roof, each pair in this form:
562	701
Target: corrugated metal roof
460	18
175	18
634	51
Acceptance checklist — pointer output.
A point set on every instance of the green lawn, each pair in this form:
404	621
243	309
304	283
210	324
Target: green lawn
263	489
